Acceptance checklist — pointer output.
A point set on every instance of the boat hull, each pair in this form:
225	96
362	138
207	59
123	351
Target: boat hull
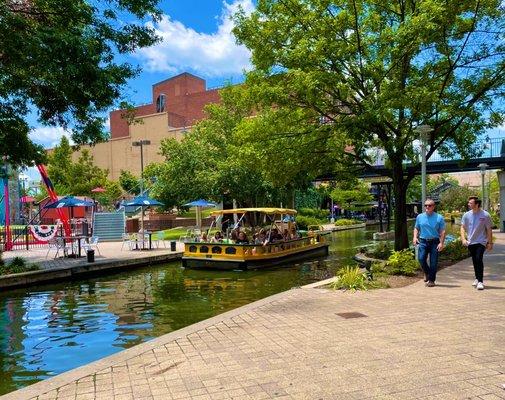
216	262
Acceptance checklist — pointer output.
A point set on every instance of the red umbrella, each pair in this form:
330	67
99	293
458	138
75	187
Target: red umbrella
98	190
27	199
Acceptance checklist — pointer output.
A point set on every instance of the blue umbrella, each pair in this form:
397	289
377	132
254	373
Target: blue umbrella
199	204
142	201
69	201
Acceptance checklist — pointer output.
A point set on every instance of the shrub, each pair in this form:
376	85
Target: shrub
350	278
303	222
346	221
382	251
402	262
317	213
454	251
16	266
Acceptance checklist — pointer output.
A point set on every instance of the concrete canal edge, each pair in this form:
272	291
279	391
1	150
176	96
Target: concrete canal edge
72	271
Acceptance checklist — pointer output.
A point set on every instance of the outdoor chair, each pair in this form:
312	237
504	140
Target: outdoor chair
158	237
93	242
129	240
58	244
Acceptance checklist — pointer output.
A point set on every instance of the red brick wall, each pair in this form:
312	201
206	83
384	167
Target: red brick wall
185	100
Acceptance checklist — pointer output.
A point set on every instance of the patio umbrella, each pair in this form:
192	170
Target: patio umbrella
69	202
199	204
143	201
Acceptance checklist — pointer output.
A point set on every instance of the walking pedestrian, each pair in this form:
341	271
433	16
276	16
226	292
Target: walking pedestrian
476	223
429	234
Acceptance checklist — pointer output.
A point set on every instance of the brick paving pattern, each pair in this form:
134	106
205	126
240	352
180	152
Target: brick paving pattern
446	342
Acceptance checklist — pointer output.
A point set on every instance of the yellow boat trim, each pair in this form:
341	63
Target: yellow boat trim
250	252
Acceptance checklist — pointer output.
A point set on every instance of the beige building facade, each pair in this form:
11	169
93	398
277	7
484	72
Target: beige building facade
119	154
177	104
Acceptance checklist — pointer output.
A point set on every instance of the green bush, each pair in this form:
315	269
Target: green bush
495	219
402	262
350	278
454	251
16	266
303	222
317	213
382	251
345	222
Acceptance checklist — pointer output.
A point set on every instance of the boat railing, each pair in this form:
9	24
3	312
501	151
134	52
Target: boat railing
208	249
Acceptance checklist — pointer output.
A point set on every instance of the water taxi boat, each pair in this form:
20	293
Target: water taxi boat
228	254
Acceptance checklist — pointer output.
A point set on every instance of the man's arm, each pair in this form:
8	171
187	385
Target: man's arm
415	240
442	240
489	231
462	232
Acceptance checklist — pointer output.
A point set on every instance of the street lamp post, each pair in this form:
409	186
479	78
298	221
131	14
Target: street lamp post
141	144
482	168
424	131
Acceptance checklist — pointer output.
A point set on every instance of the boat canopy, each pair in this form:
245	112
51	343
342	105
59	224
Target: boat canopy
266	210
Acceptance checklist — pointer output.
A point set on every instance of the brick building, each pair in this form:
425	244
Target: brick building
177	103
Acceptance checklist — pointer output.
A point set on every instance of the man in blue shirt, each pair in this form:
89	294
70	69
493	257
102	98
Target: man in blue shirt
429	234
478	227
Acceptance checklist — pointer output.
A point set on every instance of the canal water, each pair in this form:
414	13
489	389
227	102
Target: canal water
50	329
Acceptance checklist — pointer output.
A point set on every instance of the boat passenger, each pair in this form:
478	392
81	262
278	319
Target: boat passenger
261	237
203	237
294	234
242	238
217	238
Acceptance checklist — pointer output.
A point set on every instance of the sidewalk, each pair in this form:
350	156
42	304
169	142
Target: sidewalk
446	342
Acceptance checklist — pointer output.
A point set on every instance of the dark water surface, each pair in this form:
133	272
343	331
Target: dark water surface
50	329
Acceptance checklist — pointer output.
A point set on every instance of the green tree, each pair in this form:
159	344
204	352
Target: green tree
456	198
77	178
215	160
59	58
58	169
351	195
362	75
84	175
128	182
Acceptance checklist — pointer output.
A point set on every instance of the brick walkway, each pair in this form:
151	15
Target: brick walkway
446	342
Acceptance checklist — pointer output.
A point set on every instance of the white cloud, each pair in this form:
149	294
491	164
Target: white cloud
182	48
49	137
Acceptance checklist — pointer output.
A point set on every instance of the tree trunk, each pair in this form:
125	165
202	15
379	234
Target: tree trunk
400	192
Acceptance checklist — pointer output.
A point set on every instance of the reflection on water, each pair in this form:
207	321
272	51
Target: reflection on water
50	329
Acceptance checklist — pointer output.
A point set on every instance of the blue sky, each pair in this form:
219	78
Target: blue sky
196	37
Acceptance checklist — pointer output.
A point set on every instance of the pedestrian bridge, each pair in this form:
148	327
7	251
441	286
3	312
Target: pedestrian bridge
493	154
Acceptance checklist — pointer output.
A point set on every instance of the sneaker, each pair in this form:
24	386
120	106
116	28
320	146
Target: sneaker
431	284
480	286
475	282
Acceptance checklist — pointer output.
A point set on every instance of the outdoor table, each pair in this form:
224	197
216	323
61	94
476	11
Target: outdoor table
141	237
71	239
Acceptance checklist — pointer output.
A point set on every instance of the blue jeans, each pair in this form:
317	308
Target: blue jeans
429	247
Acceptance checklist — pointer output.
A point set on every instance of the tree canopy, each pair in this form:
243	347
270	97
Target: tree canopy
363	74
57	60
214	159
